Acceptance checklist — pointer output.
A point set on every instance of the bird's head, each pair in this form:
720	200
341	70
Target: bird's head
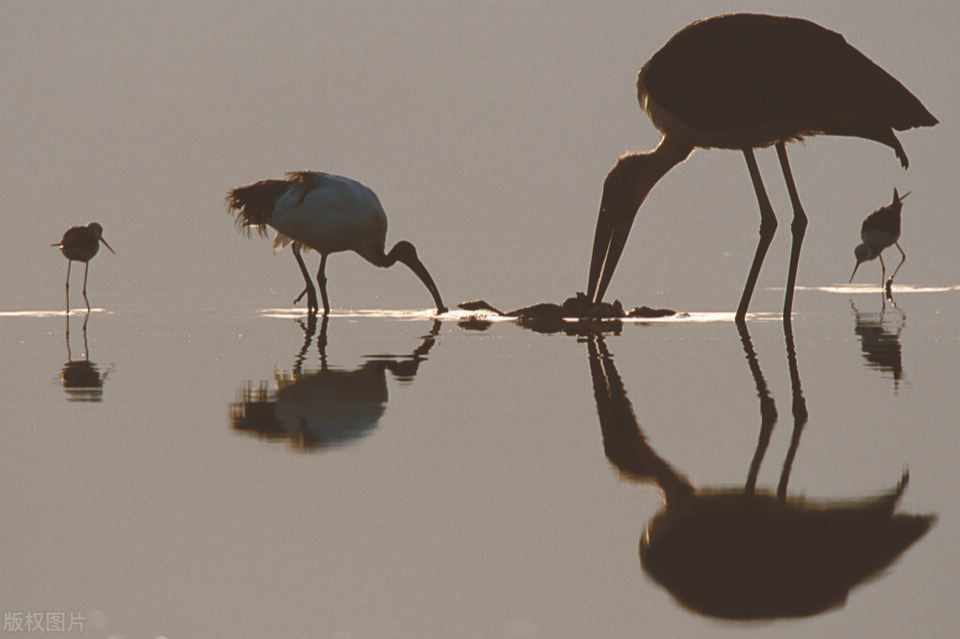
863	253
98	231
405	252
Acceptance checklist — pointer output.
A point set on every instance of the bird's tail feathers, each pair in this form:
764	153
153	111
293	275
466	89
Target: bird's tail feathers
253	204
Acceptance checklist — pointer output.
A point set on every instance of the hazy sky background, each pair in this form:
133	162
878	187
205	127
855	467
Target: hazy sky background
485	128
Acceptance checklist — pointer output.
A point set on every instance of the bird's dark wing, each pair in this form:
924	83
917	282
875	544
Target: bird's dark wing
886	220
743	71
78	236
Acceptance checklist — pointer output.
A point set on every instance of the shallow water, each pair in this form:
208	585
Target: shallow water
249	474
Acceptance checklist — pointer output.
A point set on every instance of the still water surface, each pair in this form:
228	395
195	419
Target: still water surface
254	474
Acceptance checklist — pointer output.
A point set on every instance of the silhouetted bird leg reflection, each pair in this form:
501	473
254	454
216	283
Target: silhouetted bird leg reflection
799	410
86	350
308	332
768	408
81	378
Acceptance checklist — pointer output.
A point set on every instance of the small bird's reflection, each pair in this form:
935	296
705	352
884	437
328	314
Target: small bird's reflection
743	553
879	334
325	407
81	378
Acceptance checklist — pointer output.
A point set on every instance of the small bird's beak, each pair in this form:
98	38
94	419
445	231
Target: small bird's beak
107	245
854	272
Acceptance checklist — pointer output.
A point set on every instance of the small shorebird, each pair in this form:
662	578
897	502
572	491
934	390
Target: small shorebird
741	82
326	213
880	230
80	244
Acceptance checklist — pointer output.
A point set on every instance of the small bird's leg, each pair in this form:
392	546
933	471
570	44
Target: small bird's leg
322	281
85	269
903	258
69	264
797	228
768	226
308	289
883	269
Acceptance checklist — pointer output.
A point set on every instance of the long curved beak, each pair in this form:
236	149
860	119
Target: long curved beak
415	265
107	245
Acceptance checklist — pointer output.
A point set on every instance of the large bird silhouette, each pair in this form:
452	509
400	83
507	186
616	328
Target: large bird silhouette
740	82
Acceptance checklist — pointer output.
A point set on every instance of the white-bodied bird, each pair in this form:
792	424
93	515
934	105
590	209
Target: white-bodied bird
741	82
326	213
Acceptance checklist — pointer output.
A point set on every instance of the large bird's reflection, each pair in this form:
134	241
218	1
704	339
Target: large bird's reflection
879	334
81	378
329	406
743	553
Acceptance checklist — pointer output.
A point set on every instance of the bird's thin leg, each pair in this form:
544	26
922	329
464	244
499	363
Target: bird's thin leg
85	269
322	281
768	226
69	264
883	270
903	258
798	227
308	289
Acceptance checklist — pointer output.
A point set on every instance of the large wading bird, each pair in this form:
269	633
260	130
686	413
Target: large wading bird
326	213
741	82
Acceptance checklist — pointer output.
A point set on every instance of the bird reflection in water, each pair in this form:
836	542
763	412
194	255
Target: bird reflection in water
879	334
81	378
325	407
744	553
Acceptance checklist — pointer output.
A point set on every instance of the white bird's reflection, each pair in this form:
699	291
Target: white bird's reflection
743	553
325	407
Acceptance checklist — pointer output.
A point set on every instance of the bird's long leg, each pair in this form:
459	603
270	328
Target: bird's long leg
798	227
322	281
903	258
768	226
85	269
883	269
67	287
308	290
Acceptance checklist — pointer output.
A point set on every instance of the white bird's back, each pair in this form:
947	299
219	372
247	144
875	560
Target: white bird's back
330	213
